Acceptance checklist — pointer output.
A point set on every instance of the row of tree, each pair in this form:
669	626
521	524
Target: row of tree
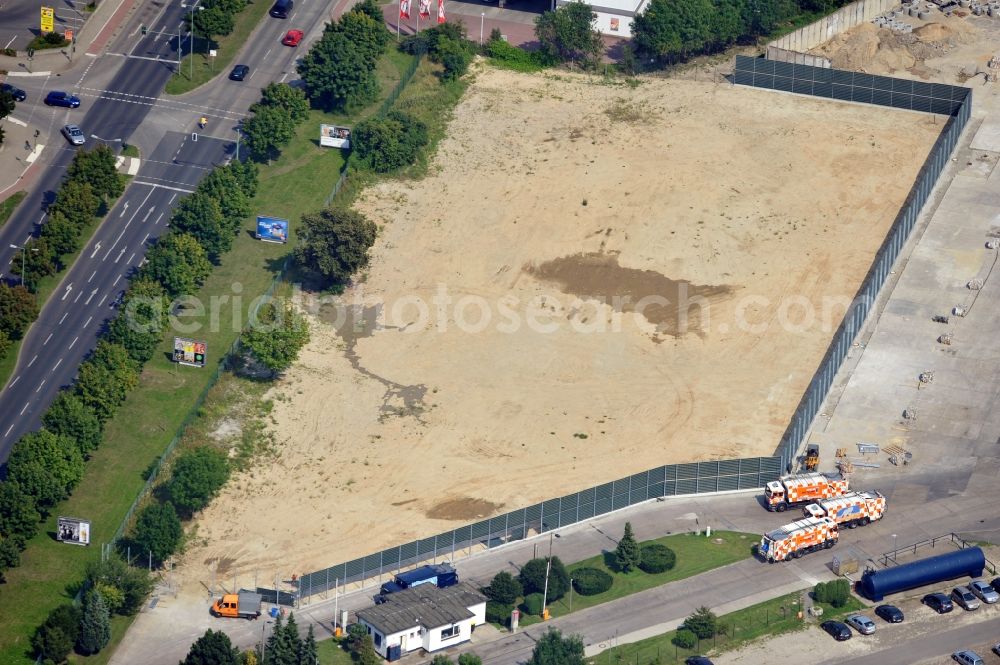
216	18
273	120
7	104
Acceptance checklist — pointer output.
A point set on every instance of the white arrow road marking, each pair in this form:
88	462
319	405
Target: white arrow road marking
97	248
127	224
90	297
124	209
151	209
69	287
120	255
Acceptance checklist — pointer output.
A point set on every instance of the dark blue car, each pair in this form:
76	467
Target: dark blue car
18	94
58	98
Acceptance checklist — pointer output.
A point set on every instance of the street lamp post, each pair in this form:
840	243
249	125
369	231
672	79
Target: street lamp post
190	9
482	21
239	133
263	645
548	569
24	252
571	594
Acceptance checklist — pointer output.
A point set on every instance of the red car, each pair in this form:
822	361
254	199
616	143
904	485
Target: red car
292	38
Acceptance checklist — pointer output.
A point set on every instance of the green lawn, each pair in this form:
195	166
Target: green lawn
772	617
296	183
695	555
331	653
8	204
205	68
130	151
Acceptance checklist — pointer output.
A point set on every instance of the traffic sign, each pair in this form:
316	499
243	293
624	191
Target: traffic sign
48	19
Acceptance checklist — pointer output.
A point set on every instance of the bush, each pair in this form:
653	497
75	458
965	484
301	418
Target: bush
533	578
124	588
55	637
198	475
685	639
533	604
512	57
498	612
838	592
702	623
820	593
657	558
504	588
387	143
158	531
591	581
455	57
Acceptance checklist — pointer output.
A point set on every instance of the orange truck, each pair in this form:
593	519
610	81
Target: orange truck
798	538
849	510
242	605
797	490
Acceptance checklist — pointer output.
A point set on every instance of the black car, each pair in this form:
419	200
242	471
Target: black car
18	94
938	602
839	631
239	73
697	660
59	98
890	613
996	584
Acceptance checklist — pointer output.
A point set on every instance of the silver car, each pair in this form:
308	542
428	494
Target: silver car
964	598
73	134
984	591
967	658
861	623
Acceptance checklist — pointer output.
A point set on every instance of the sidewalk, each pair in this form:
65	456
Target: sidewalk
18	157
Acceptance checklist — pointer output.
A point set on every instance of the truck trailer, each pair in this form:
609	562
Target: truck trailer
242	605
849	510
798	490
798	538
441	575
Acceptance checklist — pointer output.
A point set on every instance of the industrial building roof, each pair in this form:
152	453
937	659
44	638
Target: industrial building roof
423	605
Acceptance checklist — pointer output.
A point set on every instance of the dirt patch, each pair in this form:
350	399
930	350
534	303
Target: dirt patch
469	383
464	509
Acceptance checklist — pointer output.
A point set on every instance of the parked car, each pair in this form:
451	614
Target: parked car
861	623
839	631
697	660
60	98
996	648
984	591
292	38
938	602
964	598
890	613
18	94
967	658
74	135
239	73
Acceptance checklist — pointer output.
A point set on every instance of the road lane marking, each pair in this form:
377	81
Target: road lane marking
103	298
14	381
89	298
77	298
33	360
129	262
97	248
91	277
63	316
144	239
47	339
172	197
56	366
39	388
150	212
73	342
124	209
153	184
88	322
69	287
24	409
118	239
119	276
120	254
7	433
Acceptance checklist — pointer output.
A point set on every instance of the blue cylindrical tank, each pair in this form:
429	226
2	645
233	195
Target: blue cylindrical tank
876	584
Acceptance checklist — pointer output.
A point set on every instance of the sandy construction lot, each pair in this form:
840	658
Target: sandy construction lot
502	370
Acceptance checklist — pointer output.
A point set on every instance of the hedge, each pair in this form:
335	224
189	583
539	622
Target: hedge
657	558
591	581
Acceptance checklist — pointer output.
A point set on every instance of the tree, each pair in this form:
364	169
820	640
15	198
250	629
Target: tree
141	320
469	658
367	34
337	75
214	20
278	650
106	378
5	343
77	202
62	234
277	336
212	648
309	652
18	517
10	556
178	262
356	635
245	174
97	168
47	467
532	578
442	659
18	309
55	638
95	626
68	416
7	105
38	261
133	584
685	639
627	554
198	475
292	640
454	56
554	649
266	131
504	588
158	530
371	9
570	33
335	243
367	654
389	142
703	623
223	185
283	96
200	216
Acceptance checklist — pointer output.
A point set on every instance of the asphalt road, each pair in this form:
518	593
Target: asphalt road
20	20
122	103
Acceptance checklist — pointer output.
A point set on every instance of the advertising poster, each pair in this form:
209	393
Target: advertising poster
334	136
48	19
73	530
272	229
189	352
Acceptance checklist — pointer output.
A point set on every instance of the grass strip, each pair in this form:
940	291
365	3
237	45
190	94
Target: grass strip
8	205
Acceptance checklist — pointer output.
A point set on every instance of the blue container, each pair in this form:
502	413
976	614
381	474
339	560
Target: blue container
877	584
273	612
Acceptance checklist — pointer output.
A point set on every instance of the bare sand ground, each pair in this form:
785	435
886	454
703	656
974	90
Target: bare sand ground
548	189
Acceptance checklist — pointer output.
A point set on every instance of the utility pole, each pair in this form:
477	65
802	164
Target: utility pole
548	569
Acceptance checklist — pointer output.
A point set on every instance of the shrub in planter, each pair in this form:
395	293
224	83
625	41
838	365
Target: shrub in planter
532	604
657	558
591	581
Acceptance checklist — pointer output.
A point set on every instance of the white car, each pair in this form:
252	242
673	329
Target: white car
73	134
861	623
984	591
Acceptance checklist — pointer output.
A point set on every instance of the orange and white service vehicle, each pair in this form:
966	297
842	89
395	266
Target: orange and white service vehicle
797	490
798	538
850	510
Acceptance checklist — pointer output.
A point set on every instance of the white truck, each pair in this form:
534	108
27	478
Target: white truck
850	510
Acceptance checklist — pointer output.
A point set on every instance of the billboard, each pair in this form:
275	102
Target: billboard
189	352
335	136
73	530
48	19
272	229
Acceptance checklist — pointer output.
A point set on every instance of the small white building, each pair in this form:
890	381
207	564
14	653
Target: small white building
614	17
424	617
